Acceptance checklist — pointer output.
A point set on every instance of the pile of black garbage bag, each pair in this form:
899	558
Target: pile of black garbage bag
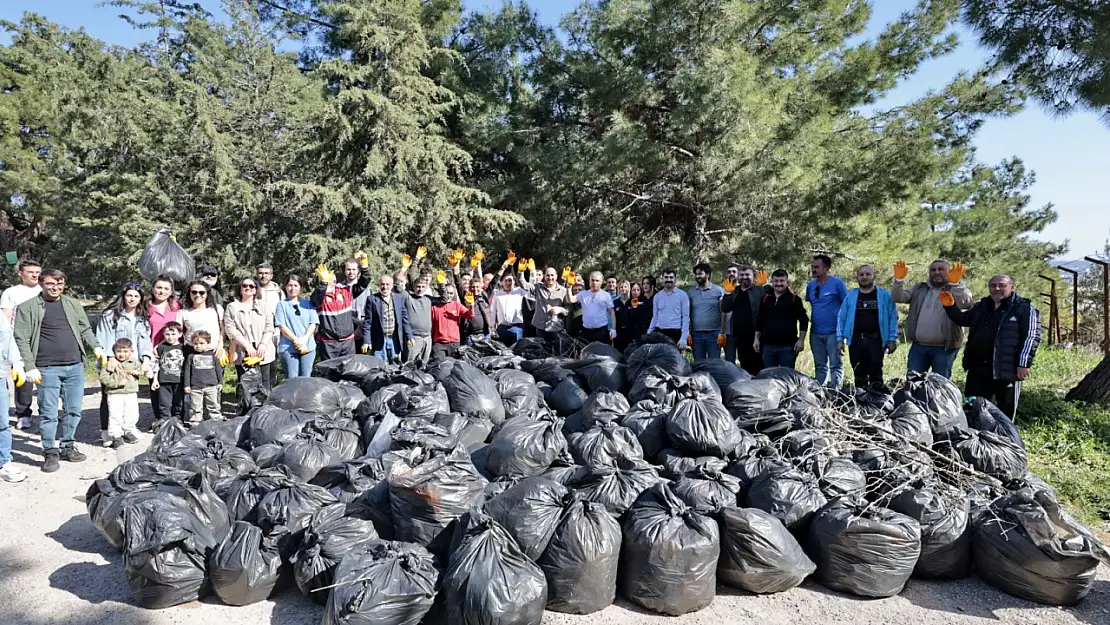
488	488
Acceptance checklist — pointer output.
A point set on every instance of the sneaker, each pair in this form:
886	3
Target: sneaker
105	438
116	443
70	454
9	473
50	462
24	424
130	438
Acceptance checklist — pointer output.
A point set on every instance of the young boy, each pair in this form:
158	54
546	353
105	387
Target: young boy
122	388
203	377
171	362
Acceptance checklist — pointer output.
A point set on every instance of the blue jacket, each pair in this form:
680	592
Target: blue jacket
888	316
372	332
9	353
113	326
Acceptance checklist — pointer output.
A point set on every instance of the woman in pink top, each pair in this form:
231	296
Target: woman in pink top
163	307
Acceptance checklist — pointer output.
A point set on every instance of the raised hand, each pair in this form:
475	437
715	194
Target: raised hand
469	298
567	272
761	277
728	285
511	257
421	252
362	258
946	299
901	270
956	273
406	261
531	264
441	277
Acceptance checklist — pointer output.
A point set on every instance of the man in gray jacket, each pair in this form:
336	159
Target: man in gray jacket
418	305
934	338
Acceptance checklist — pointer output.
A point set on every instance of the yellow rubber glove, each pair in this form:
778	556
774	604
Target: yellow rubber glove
362	258
251	361
469	298
225	359
522	264
566	272
572	278
325	274
956	273
406	261
511	257
480	255
728	286
421	252
761	277
531	264
441	277
18	378
474	260
946	299
365	349
901	270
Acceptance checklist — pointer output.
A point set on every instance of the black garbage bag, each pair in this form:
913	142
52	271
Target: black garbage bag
983	415
530	511
424	401
655	385
518	393
376	405
758	553
315	395
341	433
428	491
489	580
567	397
601	372
352	396
328	538
565	472
268	455
800	446
724	373
347	480
489	364
890	470
524	447
166	552
168	432
702	426
202	501
235	431
648	421
774	423
663	355
242	493
383	583
752	397
603	445
548	370
910	421
874	403
582	559
164	256
245	567
943	515
616	487
838	476
232	460
675	464
865	551
308	455
353	368
108	514
531	348
425	434
373	505
603	350
472	393
604	406
284	513
795	384
252	390
788	495
708	490
1029	547
940	398
990	453
759	461
668	555
274	424
190	454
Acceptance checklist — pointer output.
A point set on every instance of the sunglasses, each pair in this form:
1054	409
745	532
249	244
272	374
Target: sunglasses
198	292
817	291
133	285
247	286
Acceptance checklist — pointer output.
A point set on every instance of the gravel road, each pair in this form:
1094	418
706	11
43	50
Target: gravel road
56	568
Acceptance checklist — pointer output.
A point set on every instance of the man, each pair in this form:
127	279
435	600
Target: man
418	307
385	322
707	324
825	294
53	335
12	297
551	300
507	306
780	328
611	286
271	295
1004	332
447	313
934	338
670	310
741	308
211	276
356	274
599	318
334	304
868	325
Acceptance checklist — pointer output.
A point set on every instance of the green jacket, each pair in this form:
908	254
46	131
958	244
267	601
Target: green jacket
122	381
28	324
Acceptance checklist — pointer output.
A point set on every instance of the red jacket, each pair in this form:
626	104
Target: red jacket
445	321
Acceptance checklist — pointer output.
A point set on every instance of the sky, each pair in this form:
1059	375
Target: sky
1070	156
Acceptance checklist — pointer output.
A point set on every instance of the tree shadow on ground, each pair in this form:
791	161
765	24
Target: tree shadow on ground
974	597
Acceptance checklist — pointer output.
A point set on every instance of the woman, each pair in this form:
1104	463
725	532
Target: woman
200	313
125	318
249	327
624	310
162	308
641	312
296	320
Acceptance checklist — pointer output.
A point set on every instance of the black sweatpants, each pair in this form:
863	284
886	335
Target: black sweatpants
169	401
981	383
750	360
327	350
444	350
599	335
866	354
23	397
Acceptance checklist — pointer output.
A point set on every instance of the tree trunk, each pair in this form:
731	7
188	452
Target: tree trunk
1095	387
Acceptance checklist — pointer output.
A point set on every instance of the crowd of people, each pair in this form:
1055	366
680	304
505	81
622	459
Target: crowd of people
419	313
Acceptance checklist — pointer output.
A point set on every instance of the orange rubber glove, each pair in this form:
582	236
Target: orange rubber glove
901	270
722	341
761	277
728	286
956	273
469	298
511	257
946	299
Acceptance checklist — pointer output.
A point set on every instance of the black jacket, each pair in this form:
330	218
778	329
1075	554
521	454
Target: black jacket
1019	334
781	319
754	297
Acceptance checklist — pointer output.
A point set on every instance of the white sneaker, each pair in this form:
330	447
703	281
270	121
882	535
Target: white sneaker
105	439
24	423
9	473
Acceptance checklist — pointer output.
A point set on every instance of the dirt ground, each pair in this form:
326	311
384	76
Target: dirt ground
55	568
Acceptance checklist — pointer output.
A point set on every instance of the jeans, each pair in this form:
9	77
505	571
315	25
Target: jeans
389	351
925	357
5	428
829	368
67	384
705	345
509	334
779	356
296	364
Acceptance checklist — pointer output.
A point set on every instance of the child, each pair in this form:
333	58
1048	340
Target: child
203	377
122	388
167	384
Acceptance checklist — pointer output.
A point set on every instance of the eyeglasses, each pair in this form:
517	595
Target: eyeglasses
198	292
